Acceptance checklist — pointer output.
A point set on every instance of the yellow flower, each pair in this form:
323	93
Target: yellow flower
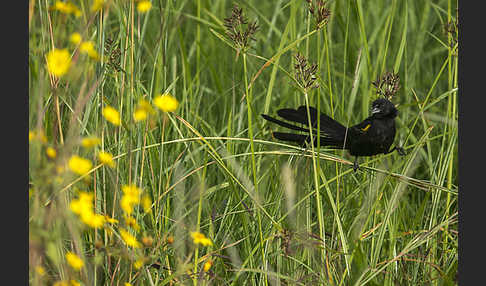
166	102
60	283
42	137
74	261
79	165
84	203
145	105
147	240
132	222
83	207
131	190
62	7
33	135
74	283
75	38
127	284
88	48
144	6
147	203
129	239
77	13
106	158
85	198
139	115
207	265
89	142
127	204
67	8
58	62
112	115
51	152
92	220
131	197
199	238
110	220
40	270
139	263
97	5
143	110
170	239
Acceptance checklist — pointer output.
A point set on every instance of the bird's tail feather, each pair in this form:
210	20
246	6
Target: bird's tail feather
304	139
284	124
332	133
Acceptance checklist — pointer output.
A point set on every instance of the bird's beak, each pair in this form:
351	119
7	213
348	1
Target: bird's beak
375	110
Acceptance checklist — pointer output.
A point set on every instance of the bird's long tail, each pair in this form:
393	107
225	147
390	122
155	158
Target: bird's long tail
332	133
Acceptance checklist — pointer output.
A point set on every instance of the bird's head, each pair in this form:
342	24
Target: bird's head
382	107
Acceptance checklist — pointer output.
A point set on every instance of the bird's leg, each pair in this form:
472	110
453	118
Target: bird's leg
355	165
399	150
391	150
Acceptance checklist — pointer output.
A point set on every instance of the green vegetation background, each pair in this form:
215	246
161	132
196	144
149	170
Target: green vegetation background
394	222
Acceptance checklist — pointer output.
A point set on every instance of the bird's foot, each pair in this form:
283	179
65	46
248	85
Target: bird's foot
355	165
401	151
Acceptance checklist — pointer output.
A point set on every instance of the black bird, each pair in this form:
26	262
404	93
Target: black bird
373	136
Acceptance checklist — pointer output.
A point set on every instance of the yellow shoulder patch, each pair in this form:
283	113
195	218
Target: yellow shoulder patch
366	128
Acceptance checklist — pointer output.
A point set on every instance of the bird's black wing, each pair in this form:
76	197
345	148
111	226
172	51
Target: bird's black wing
362	127
327	124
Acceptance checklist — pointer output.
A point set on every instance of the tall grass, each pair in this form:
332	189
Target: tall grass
276	214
